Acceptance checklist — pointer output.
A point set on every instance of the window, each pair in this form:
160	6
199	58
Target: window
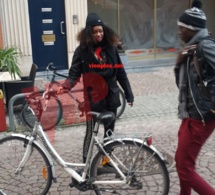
144	25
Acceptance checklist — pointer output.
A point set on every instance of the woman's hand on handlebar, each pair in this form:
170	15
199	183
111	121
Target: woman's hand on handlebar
60	90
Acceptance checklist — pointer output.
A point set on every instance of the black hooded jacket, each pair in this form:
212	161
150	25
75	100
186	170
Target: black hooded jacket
100	84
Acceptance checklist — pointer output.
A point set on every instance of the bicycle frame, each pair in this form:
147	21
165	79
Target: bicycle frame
51	153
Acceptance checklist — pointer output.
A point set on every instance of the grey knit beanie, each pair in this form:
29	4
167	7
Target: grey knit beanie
193	18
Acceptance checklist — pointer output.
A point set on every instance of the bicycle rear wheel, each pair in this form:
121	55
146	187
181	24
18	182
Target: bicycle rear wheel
35	178
148	175
50	117
121	109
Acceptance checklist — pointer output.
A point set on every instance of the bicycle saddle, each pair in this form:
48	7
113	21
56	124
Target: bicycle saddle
104	117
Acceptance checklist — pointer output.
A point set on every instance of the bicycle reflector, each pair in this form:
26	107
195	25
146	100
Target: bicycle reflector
44	172
149	140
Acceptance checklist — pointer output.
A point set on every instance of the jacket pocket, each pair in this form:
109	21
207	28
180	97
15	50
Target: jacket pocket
113	100
204	91
203	99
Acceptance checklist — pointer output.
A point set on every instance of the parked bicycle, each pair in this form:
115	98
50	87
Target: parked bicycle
51	107
133	166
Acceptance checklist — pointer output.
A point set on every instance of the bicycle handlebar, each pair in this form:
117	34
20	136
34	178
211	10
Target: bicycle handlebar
53	69
53	92
50	67
45	95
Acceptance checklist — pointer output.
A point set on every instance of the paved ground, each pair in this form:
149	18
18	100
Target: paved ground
154	111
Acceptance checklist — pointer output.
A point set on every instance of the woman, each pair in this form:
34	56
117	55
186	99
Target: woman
96	59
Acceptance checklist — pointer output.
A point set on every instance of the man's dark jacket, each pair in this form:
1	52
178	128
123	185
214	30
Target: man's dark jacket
198	103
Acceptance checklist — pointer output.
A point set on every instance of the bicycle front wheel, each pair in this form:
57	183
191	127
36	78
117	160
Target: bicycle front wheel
49	118
146	171
34	179
121	109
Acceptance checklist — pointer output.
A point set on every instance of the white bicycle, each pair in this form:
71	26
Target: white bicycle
119	166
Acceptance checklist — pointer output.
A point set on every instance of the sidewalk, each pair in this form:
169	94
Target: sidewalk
154	111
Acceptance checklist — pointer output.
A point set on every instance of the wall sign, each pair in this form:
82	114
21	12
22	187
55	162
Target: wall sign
48	38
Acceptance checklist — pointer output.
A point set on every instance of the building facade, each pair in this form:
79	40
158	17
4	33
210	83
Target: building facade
148	27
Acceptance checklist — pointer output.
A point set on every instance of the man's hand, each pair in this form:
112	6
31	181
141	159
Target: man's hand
187	50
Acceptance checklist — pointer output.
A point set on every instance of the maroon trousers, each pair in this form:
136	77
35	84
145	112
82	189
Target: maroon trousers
191	137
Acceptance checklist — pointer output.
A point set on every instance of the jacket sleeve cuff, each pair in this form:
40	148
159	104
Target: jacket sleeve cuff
66	84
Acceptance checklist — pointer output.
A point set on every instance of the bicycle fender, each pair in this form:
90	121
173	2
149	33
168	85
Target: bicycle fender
156	151
43	150
138	141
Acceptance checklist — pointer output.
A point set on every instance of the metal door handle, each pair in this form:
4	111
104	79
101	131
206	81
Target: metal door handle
61	28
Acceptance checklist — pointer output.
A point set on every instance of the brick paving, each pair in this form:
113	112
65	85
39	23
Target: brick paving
154	111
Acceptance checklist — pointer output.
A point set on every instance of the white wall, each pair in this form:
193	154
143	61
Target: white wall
15	24
79	8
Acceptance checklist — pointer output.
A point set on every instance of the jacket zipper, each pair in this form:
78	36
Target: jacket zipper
203	121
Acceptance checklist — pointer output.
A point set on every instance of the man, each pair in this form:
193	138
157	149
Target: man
196	109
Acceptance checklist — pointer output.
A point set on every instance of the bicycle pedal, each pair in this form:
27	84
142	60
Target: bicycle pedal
135	183
74	183
105	161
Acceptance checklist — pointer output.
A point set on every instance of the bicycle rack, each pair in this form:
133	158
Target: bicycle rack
11	110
